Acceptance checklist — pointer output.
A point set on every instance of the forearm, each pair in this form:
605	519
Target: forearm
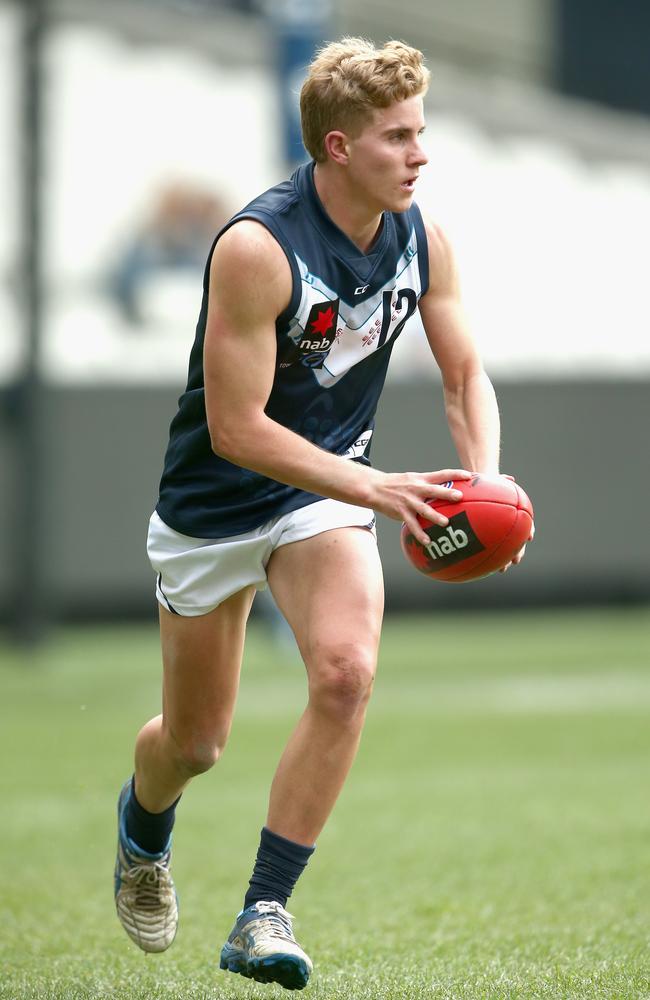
473	418
273	450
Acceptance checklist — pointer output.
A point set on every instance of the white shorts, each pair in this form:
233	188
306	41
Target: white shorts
194	575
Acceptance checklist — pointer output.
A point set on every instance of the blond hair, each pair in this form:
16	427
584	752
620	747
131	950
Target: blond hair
348	80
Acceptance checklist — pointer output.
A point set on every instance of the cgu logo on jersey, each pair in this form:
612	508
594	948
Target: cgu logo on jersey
454	543
315	342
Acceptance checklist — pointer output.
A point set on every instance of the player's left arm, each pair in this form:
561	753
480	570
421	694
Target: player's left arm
470	401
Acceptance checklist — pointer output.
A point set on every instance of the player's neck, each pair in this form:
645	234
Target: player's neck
359	222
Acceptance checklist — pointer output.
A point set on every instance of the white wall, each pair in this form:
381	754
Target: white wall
552	249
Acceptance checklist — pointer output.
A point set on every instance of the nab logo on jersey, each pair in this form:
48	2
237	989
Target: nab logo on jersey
320	330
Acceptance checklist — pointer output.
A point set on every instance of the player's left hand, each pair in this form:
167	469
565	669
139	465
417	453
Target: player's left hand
522	551
520	555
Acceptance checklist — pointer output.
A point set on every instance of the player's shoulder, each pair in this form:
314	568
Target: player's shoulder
442	263
249	272
437	239
248	248
246	238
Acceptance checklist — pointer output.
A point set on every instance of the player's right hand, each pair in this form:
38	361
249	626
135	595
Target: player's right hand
403	496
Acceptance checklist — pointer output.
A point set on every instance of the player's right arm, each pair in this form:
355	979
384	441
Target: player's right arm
250	285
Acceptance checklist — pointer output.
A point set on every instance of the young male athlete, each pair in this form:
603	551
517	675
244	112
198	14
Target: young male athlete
267	478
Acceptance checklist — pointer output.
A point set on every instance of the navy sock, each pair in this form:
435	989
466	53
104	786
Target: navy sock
278	866
150	831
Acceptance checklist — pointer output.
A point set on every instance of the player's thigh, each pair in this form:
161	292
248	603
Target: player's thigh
201	663
330	589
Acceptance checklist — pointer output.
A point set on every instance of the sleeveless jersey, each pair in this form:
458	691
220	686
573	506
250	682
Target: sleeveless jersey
334	342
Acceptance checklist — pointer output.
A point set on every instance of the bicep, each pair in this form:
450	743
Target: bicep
250	284
238	362
443	316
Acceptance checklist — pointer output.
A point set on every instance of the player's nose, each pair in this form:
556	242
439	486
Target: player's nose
418	157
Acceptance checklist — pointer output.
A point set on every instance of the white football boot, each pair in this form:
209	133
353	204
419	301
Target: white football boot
262	947
145	898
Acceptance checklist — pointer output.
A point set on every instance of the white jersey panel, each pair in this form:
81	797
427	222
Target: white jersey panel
364	327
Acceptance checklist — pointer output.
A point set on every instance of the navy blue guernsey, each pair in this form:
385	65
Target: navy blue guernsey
334	342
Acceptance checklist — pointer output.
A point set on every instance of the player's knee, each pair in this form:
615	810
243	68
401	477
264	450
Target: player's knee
343	681
195	755
198	757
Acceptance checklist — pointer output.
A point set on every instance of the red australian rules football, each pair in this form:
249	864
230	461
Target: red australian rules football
486	529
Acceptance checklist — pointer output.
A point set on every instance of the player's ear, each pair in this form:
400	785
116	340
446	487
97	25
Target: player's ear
337	147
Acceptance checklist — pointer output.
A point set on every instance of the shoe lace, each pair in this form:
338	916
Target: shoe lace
148	884
277	923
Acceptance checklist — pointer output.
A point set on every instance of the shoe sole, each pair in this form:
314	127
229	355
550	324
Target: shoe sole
288	971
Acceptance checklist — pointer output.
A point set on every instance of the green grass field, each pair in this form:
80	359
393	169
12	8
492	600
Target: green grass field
493	840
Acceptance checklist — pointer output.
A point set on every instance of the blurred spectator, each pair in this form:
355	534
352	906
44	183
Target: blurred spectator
175	236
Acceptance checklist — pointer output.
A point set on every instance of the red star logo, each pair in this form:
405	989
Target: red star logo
324	321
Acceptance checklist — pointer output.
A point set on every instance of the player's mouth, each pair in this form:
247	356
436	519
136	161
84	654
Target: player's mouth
409	184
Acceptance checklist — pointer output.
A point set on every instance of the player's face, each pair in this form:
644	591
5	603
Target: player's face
385	159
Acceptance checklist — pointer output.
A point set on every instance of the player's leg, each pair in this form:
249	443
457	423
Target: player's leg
330	589
201	664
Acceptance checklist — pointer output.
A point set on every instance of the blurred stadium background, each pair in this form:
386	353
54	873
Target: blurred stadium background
129	131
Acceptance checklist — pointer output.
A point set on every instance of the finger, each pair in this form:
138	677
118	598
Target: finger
434	492
505	476
520	555
417	530
446	474
532	532
504	569
429	513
